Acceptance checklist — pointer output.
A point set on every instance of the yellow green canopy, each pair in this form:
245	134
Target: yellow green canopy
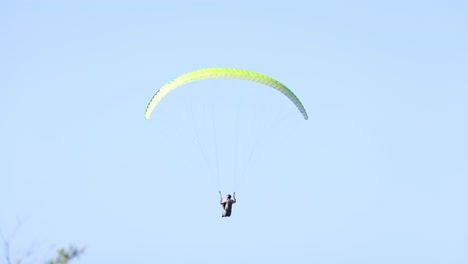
223	73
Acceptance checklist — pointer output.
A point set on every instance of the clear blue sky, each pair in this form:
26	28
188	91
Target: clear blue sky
378	174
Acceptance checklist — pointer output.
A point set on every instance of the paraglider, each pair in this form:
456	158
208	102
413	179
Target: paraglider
230	74
227	203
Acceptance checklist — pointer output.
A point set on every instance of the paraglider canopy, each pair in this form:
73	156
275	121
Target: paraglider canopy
223	73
